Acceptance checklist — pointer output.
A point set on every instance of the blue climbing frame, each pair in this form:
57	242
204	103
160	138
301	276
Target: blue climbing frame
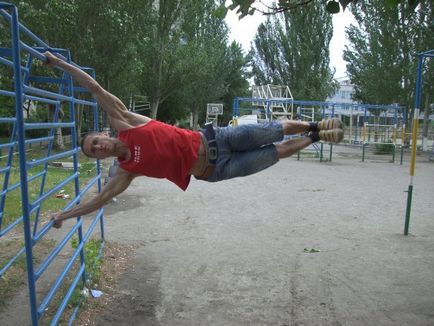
17	62
324	109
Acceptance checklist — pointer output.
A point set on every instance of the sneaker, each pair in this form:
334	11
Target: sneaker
331	136
327	124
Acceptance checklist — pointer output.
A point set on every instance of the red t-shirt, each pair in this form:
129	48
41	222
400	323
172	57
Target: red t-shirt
160	150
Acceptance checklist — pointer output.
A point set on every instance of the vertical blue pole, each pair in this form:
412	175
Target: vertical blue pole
23	168
235	107
414	142
75	165
98	165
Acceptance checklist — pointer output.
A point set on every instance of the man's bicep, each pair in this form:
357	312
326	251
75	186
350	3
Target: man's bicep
112	105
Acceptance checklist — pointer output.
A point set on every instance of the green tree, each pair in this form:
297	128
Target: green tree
174	51
236	67
293	50
381	55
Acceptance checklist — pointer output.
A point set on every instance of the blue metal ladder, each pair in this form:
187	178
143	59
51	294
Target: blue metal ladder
23	89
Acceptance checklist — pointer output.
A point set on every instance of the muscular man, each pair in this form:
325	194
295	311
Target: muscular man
147	147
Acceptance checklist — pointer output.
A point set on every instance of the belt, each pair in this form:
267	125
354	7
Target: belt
211	151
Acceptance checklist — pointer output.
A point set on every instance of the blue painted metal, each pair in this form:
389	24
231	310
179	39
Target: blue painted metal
23	176
417	100
322	105
31	208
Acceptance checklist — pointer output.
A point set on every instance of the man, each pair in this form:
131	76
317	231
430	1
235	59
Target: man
151	148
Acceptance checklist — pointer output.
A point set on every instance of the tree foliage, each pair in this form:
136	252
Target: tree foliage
249	7
382	53
173	51
292	50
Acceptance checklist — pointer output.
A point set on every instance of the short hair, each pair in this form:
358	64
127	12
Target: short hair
83	139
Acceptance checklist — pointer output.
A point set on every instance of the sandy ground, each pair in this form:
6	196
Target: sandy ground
234	252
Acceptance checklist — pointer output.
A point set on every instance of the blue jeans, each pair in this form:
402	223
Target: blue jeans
245	149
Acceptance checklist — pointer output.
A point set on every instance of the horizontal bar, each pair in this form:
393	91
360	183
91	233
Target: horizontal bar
81	89
5	52
83	102
41	99
48	125
50	158
73	202
47	80
93	224
68	295
80	247
38	140
62	275
42	92
8	145
7	120
11	226
47	261
11	64
15	186
5	169
32	51
11	261
30	97
53	190
56	95
24	29
15	223
56	250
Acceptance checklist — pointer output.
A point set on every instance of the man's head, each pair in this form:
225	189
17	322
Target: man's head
98	145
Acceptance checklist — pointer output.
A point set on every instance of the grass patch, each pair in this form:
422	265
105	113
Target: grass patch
13	205
383	149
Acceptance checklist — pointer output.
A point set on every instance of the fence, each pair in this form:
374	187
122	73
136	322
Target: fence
27	177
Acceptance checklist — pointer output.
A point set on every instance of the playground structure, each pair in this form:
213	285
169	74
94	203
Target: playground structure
213	111
24	171
273	102
379	130
139	104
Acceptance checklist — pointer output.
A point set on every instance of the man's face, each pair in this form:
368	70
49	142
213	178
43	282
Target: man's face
99	146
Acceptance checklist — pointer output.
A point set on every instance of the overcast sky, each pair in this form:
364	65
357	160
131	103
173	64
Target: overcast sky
243	31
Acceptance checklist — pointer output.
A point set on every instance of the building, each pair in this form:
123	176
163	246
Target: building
344	93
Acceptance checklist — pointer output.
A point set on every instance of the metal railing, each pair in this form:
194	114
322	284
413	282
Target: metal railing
35	229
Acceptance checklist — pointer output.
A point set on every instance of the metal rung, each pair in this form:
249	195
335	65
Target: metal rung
50	158
30	126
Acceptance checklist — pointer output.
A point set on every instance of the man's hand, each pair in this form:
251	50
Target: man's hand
52	60
57	220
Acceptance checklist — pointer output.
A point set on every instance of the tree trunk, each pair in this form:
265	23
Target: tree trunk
154	109
59	144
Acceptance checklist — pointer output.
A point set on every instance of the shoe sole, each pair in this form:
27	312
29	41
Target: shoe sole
328	124
331	136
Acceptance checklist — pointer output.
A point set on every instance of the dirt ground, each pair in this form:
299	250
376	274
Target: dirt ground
302	243
239	252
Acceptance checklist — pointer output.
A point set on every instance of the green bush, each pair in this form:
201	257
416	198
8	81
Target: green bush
384	148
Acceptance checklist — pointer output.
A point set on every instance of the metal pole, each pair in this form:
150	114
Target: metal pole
23	168
331	152
321	152
414	141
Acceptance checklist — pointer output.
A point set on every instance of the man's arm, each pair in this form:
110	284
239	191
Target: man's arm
120	181
116	110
